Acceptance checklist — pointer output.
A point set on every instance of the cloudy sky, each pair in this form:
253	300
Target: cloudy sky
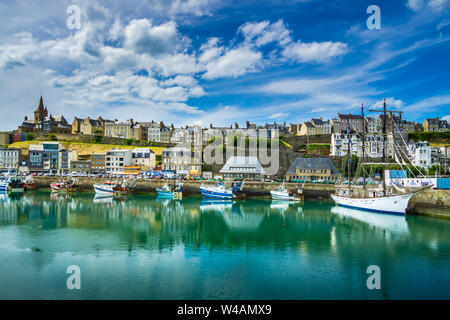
203	61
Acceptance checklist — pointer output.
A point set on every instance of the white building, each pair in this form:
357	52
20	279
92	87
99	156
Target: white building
116	160
144	157
9	158
421	154
183	161
242	167
373	145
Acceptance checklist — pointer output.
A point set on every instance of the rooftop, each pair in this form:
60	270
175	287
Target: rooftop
313	164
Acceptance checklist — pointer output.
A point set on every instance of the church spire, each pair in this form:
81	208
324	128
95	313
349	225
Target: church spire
41	104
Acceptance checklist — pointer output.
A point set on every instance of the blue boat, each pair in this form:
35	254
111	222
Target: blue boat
4	184
218	191
166	192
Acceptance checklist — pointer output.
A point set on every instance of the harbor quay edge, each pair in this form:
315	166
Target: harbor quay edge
432	202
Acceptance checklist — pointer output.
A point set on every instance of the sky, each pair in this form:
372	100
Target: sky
223	62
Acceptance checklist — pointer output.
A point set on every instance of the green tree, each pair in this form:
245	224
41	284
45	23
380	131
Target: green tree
52	137
29	136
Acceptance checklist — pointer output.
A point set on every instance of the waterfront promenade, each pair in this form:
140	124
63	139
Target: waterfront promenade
430	202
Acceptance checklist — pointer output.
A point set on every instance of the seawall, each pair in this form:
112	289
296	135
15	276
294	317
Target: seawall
430	202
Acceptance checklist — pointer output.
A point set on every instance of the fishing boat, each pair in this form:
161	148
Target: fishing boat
16	184
109	188
375	199
282	193
56	185
237	190
29	183
219	191
167	192
4	184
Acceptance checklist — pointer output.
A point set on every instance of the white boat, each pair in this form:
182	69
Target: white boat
396	204
109	188
283	194
378	200
4	186
218	191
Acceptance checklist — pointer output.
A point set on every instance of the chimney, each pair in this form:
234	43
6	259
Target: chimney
26	118
161	124
247	123
210	125
131	121
236	126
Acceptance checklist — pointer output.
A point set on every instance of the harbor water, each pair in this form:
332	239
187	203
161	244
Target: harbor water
143	247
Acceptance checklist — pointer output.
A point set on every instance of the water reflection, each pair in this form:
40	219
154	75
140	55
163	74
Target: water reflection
389	222
252	246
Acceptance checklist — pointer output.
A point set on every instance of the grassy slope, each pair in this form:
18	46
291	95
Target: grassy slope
82	149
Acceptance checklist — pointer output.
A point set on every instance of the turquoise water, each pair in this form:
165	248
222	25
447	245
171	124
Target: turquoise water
142	247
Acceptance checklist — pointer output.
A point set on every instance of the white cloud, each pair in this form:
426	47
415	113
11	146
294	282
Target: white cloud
142	37
262	33
233	63
438	5
314	51
435	5
391	102
415	5
447	117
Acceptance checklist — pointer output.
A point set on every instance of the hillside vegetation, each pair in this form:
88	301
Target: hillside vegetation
436	139
83	149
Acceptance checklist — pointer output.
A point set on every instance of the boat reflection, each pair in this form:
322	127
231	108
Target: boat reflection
388	222
282	206
98	198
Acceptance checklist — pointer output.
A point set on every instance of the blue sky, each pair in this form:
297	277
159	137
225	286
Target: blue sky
221	62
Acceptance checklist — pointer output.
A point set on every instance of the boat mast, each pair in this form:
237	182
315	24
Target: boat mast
384	111
363	143
348	150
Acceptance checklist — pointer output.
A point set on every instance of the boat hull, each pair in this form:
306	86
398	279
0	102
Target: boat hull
4	186
389	204
106	190
211	193
277	195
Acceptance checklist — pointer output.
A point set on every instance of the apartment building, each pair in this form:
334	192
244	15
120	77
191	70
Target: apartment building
98	162
9	158
144	157
181	160
116	160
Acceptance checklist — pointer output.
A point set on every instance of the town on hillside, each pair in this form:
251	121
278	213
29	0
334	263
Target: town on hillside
37	146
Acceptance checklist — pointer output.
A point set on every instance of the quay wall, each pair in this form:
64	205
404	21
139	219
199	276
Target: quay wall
430	202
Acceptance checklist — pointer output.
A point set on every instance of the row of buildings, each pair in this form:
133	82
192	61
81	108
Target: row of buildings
54	158
43	122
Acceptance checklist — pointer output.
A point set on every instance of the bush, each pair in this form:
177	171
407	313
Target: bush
52	137
128	142
29	136
97	139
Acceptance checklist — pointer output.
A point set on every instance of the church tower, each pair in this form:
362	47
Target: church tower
41	112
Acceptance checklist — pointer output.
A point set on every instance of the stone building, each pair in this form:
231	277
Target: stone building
43	122
88	125
312	169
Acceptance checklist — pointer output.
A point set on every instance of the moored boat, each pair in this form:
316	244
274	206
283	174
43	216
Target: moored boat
282	193
16	184
4	184
219	191
167	192
111	188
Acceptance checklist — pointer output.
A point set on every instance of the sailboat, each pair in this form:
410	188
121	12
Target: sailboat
373	200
